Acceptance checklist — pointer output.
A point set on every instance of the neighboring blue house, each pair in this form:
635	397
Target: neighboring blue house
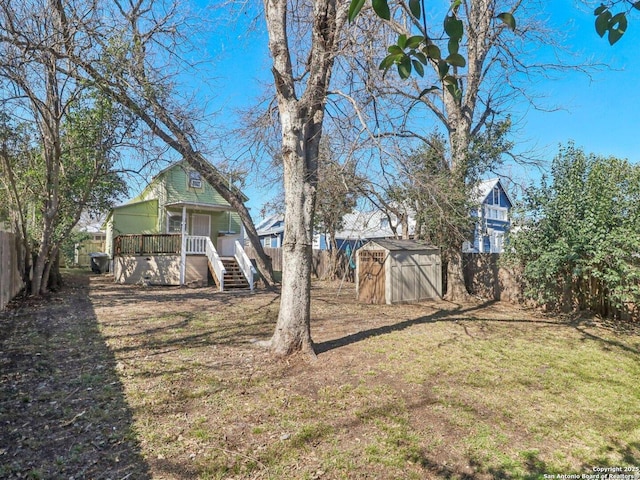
271	231
271	234
493	221
492	214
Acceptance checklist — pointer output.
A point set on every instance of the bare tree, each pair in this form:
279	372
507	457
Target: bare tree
337	196
301	84
57	180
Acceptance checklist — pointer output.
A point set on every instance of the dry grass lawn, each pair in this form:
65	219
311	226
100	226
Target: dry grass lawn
171	386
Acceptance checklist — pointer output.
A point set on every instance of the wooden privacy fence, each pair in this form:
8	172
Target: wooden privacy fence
10	280
592	294
485	277
320	263
83	249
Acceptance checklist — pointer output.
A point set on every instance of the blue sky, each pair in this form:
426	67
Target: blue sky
598	112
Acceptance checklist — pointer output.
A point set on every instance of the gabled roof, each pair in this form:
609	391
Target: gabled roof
269	225
179	164
484	188
360	225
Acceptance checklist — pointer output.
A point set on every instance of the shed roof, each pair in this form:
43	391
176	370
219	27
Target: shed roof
393	244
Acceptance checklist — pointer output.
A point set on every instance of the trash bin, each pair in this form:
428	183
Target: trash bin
99	262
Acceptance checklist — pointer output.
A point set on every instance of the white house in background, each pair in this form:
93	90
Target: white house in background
358	227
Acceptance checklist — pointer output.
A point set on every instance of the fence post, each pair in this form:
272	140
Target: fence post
10	279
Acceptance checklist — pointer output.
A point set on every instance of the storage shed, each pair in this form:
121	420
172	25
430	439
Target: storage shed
396	271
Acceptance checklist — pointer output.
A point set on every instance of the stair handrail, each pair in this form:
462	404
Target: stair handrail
244	262
216	263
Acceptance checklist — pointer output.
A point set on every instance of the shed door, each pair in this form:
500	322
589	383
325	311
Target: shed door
371	278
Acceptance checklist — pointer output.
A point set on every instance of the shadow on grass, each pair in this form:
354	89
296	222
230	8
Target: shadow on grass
180	334
454	315
196	318
112	294
62	406
441	315
618	458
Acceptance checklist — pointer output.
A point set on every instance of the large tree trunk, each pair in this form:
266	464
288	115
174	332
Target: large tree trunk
301	123
293	331
456	287
459	120
52	274
40	279
333	255
49	120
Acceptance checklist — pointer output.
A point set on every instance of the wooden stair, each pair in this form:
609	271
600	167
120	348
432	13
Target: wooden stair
234	279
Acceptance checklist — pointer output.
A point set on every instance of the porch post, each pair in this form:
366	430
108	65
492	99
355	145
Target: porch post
183	249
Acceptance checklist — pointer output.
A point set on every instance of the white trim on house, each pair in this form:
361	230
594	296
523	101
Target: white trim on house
177	228
484	188
496	241
491	212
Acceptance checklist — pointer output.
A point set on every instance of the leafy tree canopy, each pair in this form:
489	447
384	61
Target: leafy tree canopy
579	241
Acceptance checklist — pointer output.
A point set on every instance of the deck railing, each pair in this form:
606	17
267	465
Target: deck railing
197	245
159	244
147	244
170	244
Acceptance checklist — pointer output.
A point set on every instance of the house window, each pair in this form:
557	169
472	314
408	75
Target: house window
195	180
496	196
174	223
497	242
496	213
267	242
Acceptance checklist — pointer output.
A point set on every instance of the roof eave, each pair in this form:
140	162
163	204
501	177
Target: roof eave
202	206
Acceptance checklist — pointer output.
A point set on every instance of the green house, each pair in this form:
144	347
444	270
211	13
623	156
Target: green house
174	232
